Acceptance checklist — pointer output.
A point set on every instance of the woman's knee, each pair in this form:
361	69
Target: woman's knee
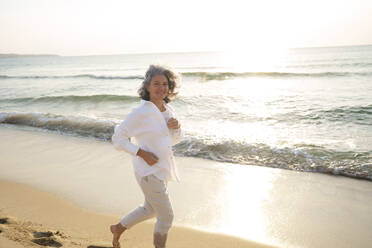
162	226
171	217
166	219
148	210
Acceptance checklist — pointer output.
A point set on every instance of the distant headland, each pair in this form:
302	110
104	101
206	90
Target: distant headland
11	55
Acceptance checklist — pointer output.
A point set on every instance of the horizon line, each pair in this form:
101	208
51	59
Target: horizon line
171	52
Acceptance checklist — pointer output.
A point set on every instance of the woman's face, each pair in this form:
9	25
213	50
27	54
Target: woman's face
158	88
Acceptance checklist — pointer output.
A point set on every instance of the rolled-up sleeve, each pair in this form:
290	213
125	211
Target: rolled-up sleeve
177	135
122	134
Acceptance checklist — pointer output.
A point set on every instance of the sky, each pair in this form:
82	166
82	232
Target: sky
95	27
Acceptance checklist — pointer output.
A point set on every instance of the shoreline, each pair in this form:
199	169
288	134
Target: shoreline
72	226
269	206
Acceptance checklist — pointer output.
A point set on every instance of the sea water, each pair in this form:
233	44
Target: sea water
307	109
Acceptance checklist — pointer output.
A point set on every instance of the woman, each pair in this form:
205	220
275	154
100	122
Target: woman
155	129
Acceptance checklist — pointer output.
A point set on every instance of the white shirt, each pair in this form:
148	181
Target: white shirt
149	128
162	173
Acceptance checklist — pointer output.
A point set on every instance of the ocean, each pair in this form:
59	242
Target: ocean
305	109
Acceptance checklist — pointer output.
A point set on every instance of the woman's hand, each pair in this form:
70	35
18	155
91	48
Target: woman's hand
149	157
173	123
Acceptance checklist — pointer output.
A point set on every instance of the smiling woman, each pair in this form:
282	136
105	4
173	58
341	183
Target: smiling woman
155	130
159	82
158	88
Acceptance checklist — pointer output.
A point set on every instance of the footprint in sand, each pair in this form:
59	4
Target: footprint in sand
4	221
47	242
97	246
22	233
46	239
43	234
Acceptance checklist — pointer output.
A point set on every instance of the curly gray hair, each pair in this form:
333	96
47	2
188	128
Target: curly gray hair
154	70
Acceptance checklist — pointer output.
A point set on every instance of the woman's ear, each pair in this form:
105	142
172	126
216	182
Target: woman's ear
147	86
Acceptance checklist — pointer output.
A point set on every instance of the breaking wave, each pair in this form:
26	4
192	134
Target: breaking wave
301	157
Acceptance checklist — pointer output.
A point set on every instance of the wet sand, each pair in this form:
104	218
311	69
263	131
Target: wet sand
95	185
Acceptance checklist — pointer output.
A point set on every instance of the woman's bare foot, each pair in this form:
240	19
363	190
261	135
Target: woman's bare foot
116	231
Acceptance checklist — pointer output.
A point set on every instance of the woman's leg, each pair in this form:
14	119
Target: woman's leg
116	231
139	214
156	194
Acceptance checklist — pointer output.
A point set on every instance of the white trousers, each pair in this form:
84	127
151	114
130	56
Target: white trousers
156	203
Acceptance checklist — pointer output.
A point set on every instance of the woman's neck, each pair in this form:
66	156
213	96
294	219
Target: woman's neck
159	105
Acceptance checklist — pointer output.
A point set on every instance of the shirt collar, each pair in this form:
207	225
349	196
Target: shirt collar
143	102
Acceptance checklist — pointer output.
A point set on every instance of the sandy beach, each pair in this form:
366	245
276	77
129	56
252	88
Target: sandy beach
72	188
29	216
273	99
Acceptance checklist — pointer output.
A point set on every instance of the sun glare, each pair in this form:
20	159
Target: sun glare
257	59
244	203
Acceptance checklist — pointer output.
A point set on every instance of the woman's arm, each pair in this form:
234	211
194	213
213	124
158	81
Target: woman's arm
177	136
121	139
175	130
127	129
174	127
149	157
